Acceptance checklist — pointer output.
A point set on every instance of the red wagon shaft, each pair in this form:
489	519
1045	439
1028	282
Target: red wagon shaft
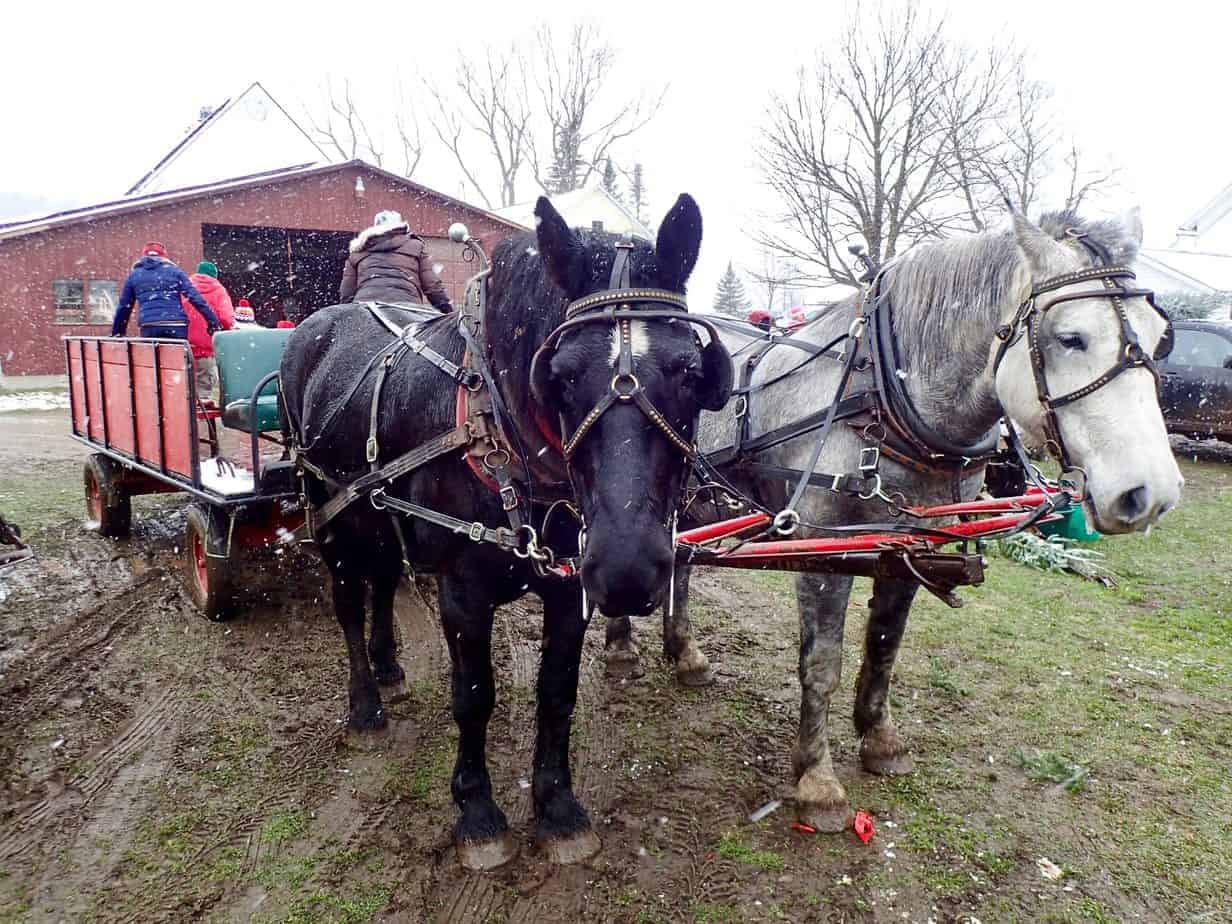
908	555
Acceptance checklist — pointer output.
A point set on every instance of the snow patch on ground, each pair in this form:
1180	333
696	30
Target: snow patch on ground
33	401
228	480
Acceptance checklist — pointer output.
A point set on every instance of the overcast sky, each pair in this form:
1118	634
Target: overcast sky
93	96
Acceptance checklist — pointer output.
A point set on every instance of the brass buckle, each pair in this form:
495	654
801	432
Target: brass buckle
509	497
870	458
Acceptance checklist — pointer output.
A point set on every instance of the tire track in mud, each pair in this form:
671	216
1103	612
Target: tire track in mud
155	724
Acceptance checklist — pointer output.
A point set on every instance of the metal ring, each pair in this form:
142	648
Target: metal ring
379	492
489	465
877	428
742	406
623	378
786	521
876	492
532	541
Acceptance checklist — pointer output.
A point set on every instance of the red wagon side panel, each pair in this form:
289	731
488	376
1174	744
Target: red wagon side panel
132	397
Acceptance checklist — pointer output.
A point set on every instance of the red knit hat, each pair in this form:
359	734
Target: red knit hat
154	249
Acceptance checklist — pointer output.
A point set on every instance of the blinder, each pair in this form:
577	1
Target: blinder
614	306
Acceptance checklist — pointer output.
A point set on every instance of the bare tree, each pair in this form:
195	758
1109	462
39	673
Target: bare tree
1084	182
580	125
863	150
487	120
339	125
775	275
1014	155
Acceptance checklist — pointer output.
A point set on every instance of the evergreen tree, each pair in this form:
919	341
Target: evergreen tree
637	191
609	181
730	297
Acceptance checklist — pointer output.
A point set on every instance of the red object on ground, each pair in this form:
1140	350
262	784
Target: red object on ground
803	828
284	325
862	824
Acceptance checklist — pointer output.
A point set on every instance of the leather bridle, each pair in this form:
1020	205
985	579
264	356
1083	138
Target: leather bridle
1029	319
614	306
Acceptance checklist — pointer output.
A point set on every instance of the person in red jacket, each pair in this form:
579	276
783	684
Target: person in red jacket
199	338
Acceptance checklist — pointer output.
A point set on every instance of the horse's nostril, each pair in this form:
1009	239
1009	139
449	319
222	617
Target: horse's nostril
1133	504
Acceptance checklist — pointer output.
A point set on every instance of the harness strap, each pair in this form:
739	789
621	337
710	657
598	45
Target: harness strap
507	539
407	462
851	406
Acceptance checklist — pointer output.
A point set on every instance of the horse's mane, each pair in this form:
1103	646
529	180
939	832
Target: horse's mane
944	286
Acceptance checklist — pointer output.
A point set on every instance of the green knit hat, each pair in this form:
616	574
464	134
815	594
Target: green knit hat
206	268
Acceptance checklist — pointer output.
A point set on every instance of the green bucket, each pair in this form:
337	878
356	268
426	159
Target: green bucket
1072	525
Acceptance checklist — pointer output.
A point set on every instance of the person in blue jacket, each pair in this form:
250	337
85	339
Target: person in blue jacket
156	284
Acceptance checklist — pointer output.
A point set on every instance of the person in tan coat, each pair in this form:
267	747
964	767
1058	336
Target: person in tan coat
387	263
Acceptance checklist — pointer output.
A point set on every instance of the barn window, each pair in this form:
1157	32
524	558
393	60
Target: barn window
104	294
69	295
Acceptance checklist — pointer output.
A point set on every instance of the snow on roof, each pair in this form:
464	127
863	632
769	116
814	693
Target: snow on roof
1209	215
248	134
25	226
1186	270
581	208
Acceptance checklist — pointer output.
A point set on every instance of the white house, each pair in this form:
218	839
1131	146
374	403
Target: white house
1199	260
583	208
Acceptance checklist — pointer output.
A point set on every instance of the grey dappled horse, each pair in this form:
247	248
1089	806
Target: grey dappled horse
950	298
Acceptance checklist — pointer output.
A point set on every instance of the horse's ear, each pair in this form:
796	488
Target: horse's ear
679	241
560	248
1035	245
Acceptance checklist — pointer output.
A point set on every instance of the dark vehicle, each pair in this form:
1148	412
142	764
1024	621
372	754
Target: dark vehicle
1195	387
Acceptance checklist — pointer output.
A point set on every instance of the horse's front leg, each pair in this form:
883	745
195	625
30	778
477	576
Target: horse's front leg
482	832
562	826
679	646
820	799
881	748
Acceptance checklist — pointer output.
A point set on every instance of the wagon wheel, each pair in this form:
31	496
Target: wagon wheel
107	500
210	579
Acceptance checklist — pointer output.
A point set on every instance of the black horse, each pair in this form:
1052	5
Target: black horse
626	477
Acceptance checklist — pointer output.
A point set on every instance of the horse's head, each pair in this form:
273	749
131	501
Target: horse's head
628	420
1078	372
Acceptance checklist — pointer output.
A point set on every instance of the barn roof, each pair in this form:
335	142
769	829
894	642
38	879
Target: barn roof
21	227
247	134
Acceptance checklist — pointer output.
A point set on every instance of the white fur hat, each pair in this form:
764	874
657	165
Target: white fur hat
387	217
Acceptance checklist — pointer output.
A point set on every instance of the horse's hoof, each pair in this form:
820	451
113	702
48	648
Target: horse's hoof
887	764
389	677
572	849
695	677
367	721
486	855
623	664
825	819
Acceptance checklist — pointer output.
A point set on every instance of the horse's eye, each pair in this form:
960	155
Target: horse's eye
1072	341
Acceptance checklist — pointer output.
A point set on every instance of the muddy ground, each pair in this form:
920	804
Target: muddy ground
158	767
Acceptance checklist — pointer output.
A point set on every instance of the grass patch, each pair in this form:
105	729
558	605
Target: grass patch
1050	767
731	847
941	678
423	778
283	827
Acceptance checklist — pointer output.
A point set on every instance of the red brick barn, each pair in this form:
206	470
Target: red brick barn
279	238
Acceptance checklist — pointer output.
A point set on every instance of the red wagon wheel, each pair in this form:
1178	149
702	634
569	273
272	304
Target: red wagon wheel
210	578
107	499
